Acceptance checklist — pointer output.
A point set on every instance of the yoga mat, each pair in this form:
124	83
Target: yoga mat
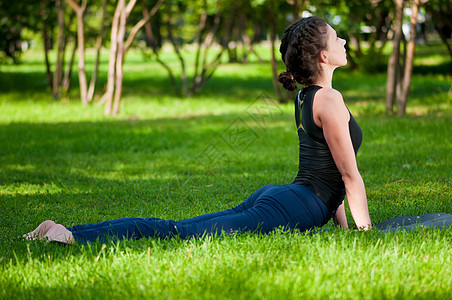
432	220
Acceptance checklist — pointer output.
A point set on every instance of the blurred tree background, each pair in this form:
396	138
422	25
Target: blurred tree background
216	32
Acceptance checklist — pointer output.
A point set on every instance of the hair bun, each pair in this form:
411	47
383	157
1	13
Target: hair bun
287	80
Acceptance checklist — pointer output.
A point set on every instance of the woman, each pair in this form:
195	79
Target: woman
329	139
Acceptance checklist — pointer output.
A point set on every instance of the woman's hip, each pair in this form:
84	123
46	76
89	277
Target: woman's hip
296	203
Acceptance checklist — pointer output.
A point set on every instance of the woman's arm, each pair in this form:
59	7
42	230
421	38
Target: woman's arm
331	114
340	218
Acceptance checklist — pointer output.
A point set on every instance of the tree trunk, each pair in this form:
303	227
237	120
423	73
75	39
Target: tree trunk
139	25
119	59
202	26
80	12
401	102
394	58
444	38
207	69
442	18
232	45
401	68
92	84
242	28
382	15
148	28
59	66
176	49
81	54
296	9
67	76
170	73
46	56
153	44
118	51
108	96
248	43
46	43
124	46
272	39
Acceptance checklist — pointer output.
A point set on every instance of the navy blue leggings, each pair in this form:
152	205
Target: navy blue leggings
290	206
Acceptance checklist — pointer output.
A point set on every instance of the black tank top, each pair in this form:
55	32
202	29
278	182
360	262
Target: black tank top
317	169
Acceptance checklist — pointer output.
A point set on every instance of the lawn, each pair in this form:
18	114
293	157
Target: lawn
175	158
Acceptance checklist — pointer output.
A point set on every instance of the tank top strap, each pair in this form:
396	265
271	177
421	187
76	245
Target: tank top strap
298	105
303	113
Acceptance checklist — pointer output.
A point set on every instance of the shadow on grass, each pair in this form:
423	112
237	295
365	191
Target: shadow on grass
23	82
239	89
440	69
356	87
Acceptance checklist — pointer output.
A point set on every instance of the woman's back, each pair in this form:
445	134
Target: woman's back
317	168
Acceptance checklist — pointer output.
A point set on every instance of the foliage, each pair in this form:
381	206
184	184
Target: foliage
14	17
365	25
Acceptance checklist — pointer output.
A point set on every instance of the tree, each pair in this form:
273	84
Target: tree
46	40
86	95
406	83
273	37
209	21
99	39
15	16
59	65
393	64
203	69
399	73
51	19
272	15
118	50
360	22
440	12
80	12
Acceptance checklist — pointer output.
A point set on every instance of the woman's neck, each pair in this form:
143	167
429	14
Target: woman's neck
325	79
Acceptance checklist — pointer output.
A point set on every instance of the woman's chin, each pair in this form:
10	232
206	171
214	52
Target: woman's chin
345	63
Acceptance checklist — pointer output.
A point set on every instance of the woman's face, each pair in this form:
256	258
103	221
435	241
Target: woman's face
335	49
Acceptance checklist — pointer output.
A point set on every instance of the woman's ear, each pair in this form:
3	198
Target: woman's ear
323	57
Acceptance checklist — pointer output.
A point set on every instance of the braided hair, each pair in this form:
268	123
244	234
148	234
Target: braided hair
300	46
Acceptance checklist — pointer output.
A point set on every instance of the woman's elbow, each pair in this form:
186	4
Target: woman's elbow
351	177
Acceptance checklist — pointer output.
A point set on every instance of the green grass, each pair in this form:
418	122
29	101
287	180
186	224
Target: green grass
61	161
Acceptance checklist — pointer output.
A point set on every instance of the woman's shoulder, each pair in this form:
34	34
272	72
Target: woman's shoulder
330	94
328	102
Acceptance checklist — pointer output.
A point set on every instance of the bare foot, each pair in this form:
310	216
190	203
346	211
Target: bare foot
59	233
40	231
